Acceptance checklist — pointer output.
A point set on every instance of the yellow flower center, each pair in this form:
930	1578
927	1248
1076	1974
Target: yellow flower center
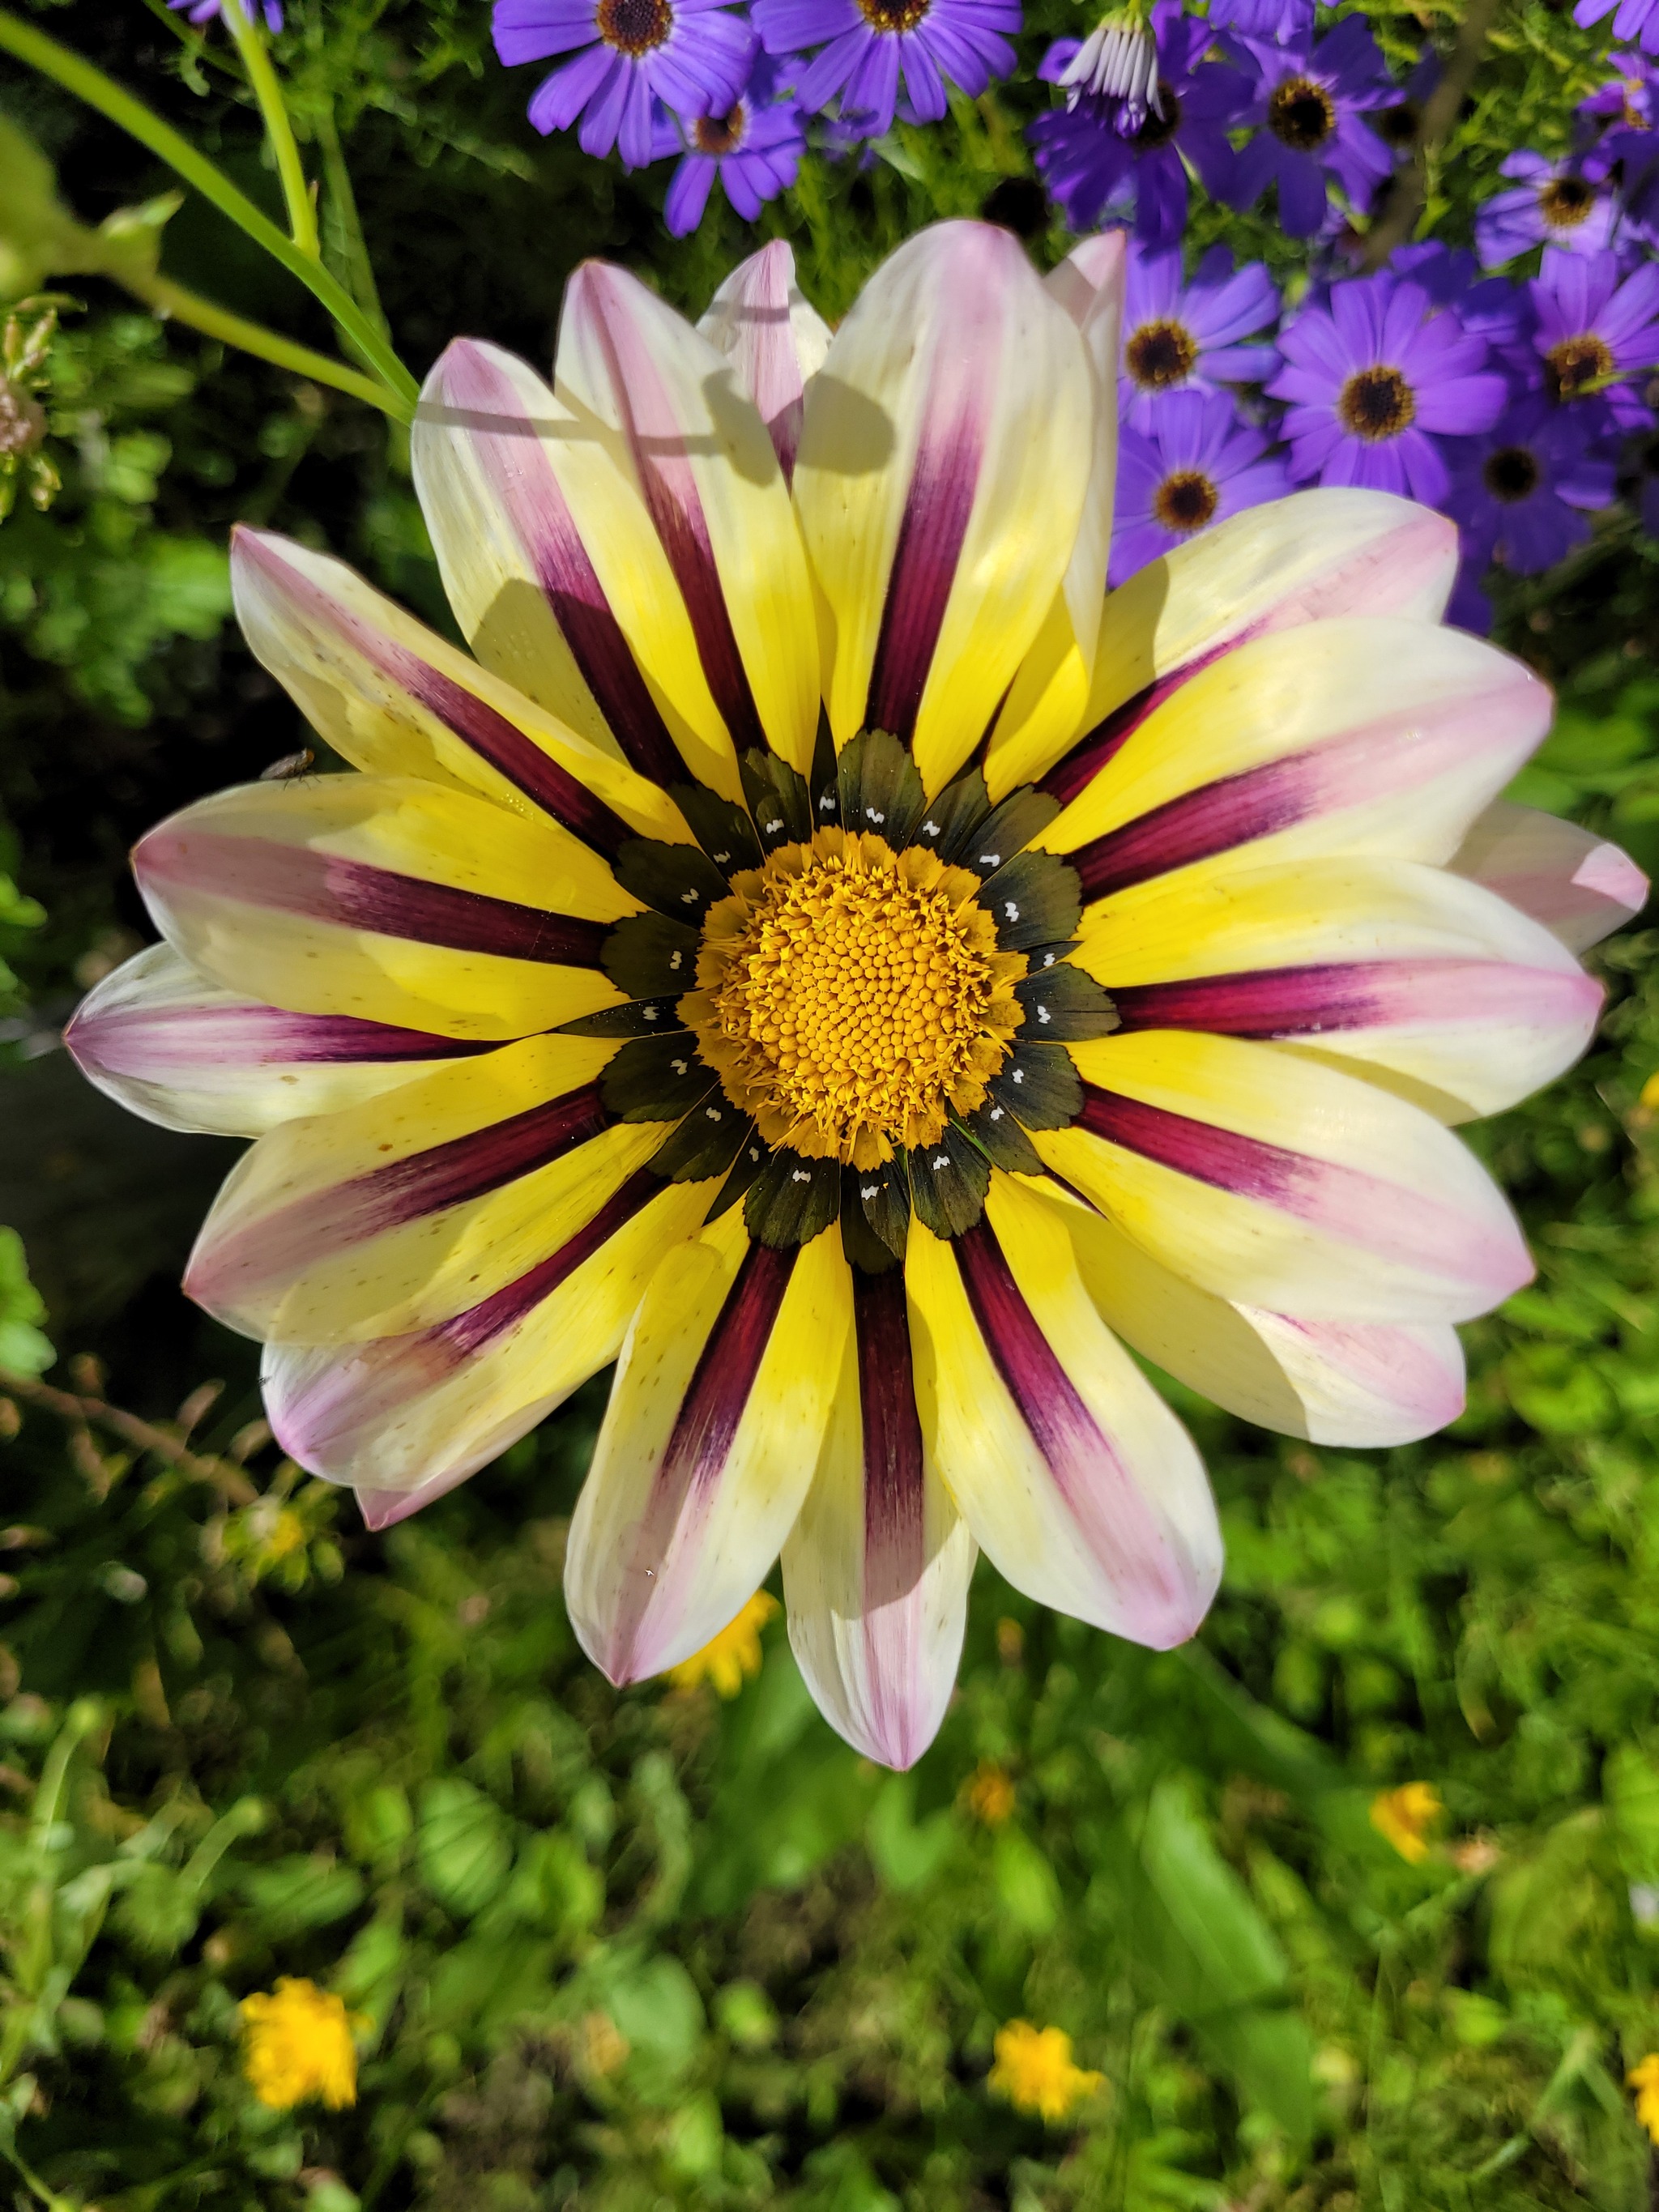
851	996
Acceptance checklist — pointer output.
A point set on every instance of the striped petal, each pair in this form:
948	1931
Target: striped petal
168	1044
554	568
394	1215
1359	1384
774	341
716	1423
944	467
1071	1471
404	1418
393	699
388	899
876	1570
1578	885
1313	556
1267	1179
697	453
1353	736
1429	983
1046	703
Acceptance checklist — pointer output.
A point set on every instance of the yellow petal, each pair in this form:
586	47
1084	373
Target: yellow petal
943	470
721	1402
388	899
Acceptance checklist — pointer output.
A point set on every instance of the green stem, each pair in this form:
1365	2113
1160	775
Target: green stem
352	246
173	299
29	45
256	60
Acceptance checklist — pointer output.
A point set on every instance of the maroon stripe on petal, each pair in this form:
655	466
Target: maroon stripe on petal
893	1520
697	1449
1282	1001
1113	1517
1244	1165
525	765
471	1331
1235	810
1069	778
297	1237
356	895
934	525
483	401
669	483
145	1042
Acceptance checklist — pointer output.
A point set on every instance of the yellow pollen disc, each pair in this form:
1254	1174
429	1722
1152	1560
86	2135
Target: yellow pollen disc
848	996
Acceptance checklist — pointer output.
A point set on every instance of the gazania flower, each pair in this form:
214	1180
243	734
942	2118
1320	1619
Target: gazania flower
1554	203
692	55
824	955
1377	377
1185	336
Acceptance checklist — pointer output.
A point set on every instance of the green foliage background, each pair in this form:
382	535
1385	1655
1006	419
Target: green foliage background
240	1739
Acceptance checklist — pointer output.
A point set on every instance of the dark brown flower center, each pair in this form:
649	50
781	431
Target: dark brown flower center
1302	113
635	27
1158	130
1572	366
1399	125
1186	501
1159	355
1566	202
894	14
1377	404
1511	473
719	134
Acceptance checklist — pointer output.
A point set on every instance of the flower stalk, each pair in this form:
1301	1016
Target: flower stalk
262	77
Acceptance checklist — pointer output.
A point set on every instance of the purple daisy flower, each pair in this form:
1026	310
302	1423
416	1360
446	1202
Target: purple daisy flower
1629	99
207	11
1284	21
1310	106
1554	203
754	150
1521	493
692	55
1592	327
1491	308
1635	19
1195	464
1099	151
866	45
1377	377
1183	337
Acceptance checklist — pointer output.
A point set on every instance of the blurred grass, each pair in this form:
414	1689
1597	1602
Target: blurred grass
626	1951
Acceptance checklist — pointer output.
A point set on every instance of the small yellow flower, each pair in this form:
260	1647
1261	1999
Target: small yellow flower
299	2047
604	2045
1650	1099
1406	1815
990	1793
1644	2078
1034	2071
726	1659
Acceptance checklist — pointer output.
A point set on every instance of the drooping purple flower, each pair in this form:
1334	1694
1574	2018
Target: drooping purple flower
1491	307
692	55
1624	112
1310	106
1099	153
1596	332
1195	464
754	150
864	46
1628	99
1184	337
1553	203
1377	376
1521	493
1635	19
207	11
